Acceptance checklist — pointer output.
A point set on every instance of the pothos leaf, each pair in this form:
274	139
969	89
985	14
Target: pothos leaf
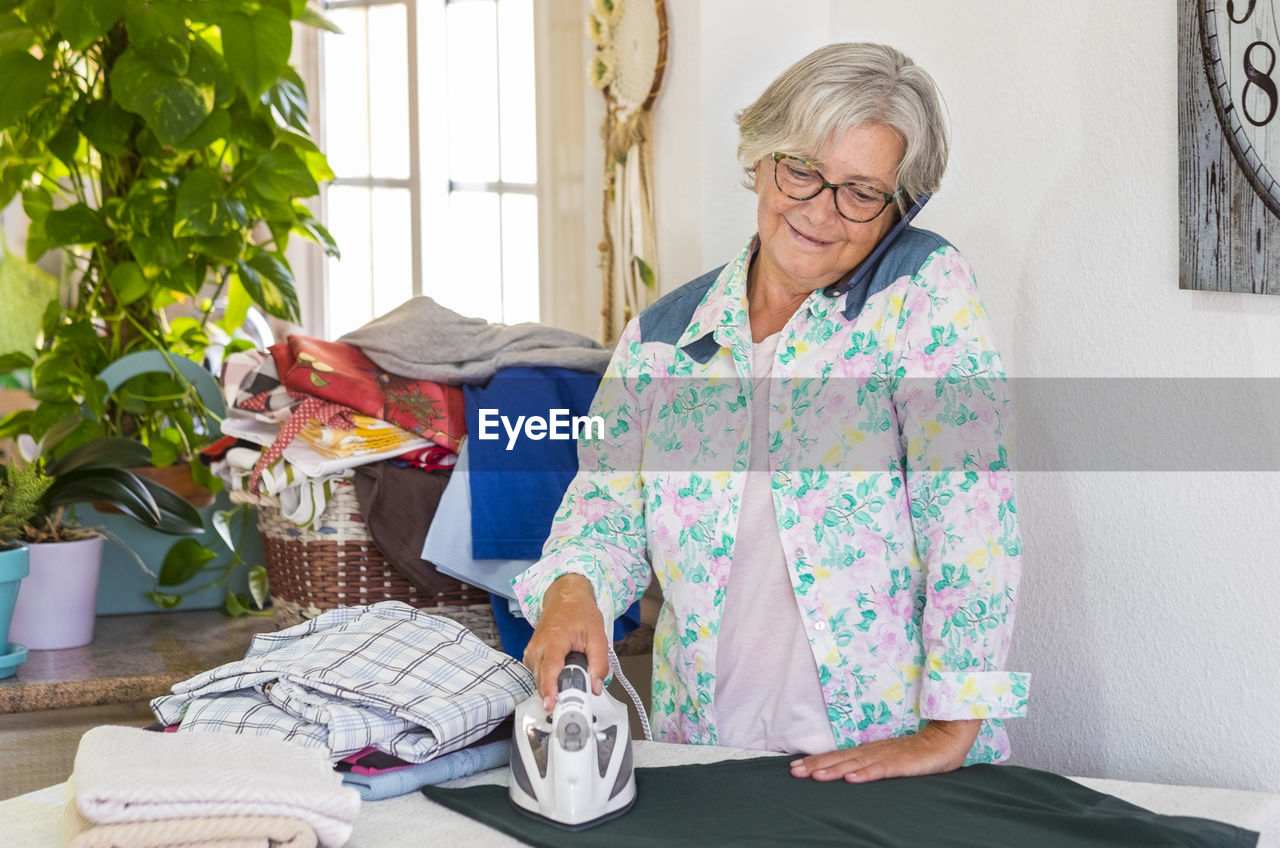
164	600
315	231
259	586
257	47
128	283
222	526
203	207
270	284
82	21
236	605
238	303
184	561
287	100
159	31
172	106
78	224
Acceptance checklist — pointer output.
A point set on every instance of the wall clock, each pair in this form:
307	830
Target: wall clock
1229	140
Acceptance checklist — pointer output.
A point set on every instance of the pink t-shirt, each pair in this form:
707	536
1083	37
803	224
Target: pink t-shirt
767	693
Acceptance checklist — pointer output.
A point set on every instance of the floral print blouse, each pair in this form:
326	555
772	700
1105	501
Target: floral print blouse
895	506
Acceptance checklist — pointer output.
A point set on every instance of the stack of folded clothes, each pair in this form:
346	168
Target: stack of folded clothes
396	398
135	789
393	697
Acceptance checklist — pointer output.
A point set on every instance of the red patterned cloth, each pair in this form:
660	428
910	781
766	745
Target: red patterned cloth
340	373
433	458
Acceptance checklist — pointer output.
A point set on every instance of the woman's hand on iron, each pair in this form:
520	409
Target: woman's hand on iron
570	621
940	746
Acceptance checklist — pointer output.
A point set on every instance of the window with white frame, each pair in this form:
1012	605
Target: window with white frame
428	120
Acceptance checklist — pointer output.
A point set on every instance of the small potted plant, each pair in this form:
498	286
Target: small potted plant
56	602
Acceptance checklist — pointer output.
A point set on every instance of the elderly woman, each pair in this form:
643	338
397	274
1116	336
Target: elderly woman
806	447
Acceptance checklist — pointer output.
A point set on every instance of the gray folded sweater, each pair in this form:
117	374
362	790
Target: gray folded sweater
425	341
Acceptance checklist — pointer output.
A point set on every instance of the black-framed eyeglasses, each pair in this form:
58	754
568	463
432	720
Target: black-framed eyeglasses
798	179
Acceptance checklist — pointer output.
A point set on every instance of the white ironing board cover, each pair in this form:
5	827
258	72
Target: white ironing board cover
34	820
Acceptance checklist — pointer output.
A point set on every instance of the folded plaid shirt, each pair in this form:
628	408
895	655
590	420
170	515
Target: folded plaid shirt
386	676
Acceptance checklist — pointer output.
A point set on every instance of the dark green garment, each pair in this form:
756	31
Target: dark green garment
758	802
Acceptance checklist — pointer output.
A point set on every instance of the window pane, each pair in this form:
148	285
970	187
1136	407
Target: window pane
515	65
349	297
433	139
469	279
473	91
476	105
389	91
392	261
346	90
519	258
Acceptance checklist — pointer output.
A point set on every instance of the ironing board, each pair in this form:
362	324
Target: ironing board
34	820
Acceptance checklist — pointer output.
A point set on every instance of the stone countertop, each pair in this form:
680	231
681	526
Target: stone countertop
132	658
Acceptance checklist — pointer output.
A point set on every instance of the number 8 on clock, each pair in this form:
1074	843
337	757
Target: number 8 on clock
1229	145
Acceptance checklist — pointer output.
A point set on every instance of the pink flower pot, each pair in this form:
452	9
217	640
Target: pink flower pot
56	599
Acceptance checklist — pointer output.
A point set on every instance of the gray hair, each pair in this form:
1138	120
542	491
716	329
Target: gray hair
838	87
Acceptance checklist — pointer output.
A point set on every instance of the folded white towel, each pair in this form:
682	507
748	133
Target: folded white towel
219	832
124	774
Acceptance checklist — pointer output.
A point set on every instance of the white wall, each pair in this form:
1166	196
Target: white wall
722	55
1148	614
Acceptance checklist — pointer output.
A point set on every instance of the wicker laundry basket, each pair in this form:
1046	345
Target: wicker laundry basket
337	564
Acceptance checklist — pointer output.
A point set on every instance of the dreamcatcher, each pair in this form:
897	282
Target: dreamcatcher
631	53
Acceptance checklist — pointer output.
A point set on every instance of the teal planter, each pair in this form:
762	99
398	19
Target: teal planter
123	586
13	567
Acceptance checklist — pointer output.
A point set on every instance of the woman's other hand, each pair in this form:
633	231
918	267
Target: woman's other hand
570	621
940	746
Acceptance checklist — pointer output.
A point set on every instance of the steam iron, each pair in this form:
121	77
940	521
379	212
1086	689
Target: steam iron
572	767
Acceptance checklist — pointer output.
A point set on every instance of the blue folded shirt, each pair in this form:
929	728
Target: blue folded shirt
402	781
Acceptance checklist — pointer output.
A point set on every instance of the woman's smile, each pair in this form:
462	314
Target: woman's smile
806	240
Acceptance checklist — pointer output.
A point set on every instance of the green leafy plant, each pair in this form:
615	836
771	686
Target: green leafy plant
187	559
164	145
34	494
